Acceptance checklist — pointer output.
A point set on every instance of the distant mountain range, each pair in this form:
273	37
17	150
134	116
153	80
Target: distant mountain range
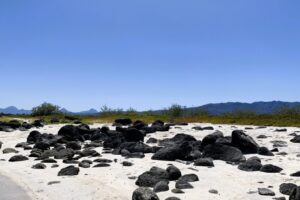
257	107
214	109
15	111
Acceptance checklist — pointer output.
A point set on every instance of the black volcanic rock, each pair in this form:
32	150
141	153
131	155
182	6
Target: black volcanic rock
39	166
143	193
244	142
296	139
252	164
205	162
18	158
33	137
295	195
161	186
173	152
270	169
123	121
264	151
287	188
152	177
133	135
173	172
211	138
223	152
69	171
70	133
177	139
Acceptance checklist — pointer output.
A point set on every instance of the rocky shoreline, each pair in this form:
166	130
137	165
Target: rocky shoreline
134	160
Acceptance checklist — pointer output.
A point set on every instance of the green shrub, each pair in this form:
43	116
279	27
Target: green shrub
45	109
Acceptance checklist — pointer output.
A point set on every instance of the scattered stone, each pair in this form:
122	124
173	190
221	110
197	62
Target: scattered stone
18	158
69	171
177	191
49	160
101	165
9	150
213	191
296	139
53	182
189	178
172	198
265	192
127	164
296	174
270	169
39	166
181	184
84	165
54	166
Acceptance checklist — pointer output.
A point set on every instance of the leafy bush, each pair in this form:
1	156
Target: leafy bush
105	110
45	109
175	111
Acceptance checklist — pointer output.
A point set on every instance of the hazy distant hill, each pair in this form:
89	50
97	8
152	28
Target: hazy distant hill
258	107
91	111
15	111
214	109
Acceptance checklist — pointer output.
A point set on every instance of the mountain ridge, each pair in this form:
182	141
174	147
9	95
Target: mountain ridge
260	107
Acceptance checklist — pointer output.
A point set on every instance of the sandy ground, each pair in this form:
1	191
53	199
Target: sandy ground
112	183
9	190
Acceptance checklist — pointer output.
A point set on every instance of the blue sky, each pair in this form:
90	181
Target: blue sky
148	54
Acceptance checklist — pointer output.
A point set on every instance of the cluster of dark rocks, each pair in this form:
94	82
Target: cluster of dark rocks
75	145
16	125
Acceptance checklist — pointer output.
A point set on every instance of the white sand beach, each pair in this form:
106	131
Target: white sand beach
112	183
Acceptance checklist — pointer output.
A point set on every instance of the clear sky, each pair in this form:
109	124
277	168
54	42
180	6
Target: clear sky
148	54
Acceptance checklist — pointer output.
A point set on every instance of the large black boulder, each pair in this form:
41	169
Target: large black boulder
252	164
295	195
264	151
244	142
212	138
174	152
296	139
42	145
143	193
33	137
174	173
133	135
134	147
177	139
287	188
73	145
114	139
152	177
223	152
70	133
123	121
